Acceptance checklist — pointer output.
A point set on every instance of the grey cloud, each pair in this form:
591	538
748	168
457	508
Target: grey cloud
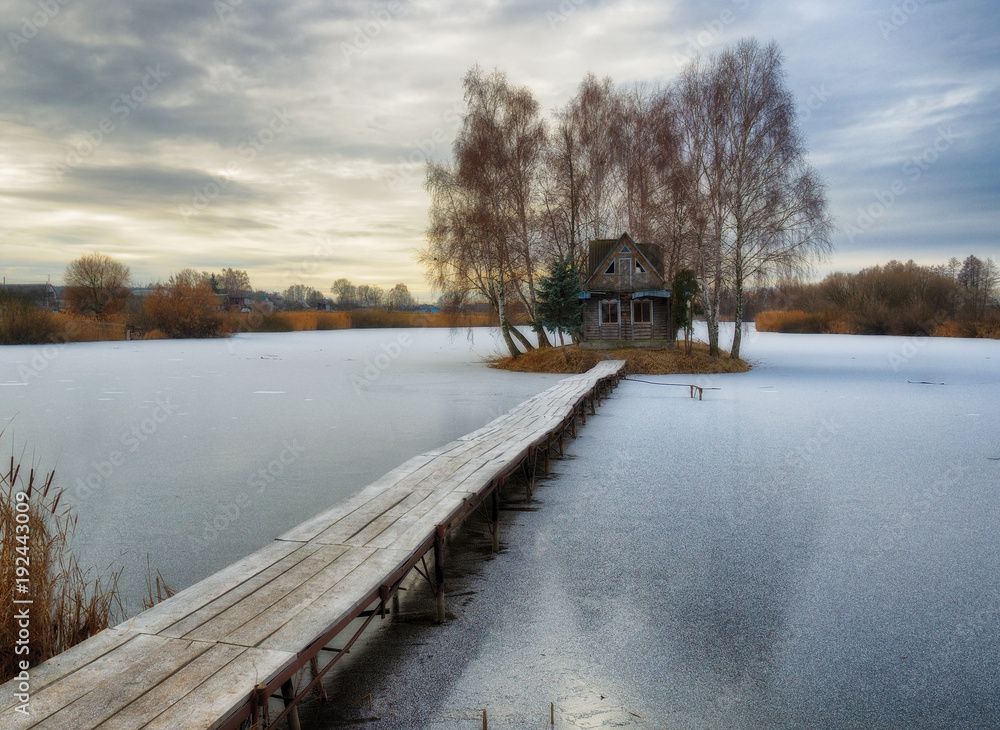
355	122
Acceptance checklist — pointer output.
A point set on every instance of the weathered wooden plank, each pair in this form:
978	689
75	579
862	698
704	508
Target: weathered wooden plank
307	530
63	664
214	603
352	522
443	502
375	527
194	597
217	623
447	448
449	482
522	421
161	696
423	527
429	499
256	630
498	425
447	464
47	702
209	704
341	600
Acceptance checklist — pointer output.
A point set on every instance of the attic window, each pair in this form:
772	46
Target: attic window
611	268
626	249
639	268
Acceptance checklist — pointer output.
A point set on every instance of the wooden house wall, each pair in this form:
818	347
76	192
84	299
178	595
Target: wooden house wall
660	329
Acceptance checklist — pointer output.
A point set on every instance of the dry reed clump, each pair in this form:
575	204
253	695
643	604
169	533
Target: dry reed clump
309	320
68	604
333	321
378	318
872	319
987	330
30	325
793	321
22	323
81	328
638	360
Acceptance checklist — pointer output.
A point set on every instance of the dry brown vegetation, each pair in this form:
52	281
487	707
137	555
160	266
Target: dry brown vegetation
28	324
953	300
183	308
829	322
638	360
68	604
352	319
21	321
80	328
798	321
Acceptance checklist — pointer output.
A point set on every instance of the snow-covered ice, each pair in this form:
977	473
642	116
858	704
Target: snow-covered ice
198	452
815	544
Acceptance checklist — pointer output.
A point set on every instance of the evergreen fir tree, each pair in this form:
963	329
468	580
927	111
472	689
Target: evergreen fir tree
685	287
560	308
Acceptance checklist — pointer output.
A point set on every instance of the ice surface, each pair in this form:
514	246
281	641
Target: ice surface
815	544
198	452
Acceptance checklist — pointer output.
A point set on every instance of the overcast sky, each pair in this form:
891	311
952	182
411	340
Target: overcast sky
288	138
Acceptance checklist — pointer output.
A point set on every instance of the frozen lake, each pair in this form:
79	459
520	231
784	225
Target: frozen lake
198	452
815	544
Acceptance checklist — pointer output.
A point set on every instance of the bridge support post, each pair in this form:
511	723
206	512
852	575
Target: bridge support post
495	517
439	575
320	689
288	697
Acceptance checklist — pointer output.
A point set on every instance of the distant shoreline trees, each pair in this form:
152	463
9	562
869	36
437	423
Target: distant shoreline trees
891	299
711	170
185	307
101	304
97	284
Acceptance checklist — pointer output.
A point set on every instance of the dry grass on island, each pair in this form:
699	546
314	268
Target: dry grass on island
638	360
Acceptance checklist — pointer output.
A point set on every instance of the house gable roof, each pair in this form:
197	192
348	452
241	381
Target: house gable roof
604	250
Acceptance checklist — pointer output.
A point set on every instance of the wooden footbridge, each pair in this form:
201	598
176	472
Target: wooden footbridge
214	655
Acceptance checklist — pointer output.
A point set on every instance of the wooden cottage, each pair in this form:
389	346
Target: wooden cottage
627	296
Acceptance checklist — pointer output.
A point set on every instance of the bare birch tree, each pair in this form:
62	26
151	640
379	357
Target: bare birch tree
773	204
699	186
635	141
485	229
463	255
590	116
